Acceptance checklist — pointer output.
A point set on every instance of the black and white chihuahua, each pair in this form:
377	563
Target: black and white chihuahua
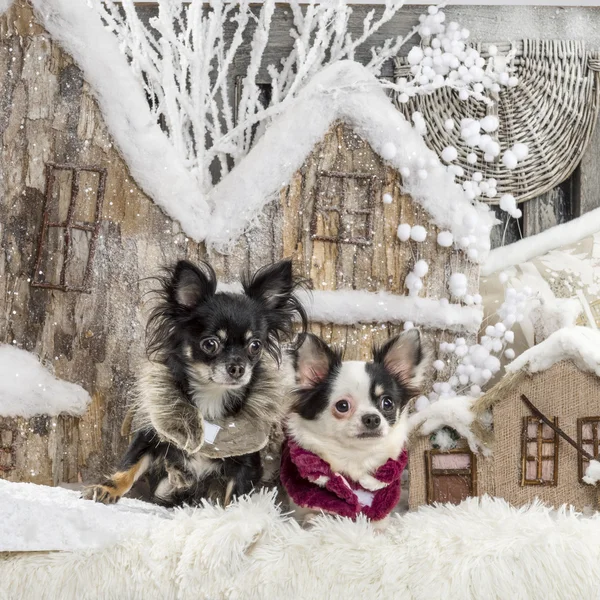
212	355
352	414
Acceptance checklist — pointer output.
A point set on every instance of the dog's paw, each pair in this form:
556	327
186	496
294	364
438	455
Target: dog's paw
105	494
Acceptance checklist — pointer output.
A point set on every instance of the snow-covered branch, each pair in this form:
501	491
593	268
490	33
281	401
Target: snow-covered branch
183	58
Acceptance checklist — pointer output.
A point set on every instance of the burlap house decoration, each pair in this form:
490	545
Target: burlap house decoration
561	376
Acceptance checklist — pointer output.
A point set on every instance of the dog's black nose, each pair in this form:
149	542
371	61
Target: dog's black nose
371	421
235	370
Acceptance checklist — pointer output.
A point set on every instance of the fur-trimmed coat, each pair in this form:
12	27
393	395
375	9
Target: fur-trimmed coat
310	483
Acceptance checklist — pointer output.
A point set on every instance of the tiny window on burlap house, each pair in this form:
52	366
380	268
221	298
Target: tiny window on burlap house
587	437
451	475
539	462
71	222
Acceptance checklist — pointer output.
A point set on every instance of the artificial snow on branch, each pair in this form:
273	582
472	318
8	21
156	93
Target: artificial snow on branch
183	59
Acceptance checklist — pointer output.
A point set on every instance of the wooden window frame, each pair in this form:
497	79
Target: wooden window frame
430	472
595	421
319	207
68	225
540	440
9	449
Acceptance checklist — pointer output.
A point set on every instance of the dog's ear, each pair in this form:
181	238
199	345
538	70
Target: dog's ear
314	360
406	357
191	285
272	285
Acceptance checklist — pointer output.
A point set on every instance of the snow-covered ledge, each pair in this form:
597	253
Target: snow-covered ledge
348	307
27	388
537	245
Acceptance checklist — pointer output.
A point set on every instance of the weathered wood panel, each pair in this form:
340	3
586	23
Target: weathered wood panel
380	265
48	113
587	177
549	209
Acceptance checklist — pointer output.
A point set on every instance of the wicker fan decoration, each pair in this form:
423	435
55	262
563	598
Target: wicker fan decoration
553	110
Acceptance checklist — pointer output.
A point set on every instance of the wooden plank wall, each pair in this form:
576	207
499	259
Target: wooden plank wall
581	192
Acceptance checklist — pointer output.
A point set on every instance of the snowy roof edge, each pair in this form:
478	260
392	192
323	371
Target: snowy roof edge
546	241
579	344
344	91
149	155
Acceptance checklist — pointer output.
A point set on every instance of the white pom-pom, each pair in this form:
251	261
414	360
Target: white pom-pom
405	172
508	203
463	94
449	153
449	124
422	174
421	403
464	379
388	151
509	353
509	160
509	336
421	268
471	158
445	239
461	351
415	56
475	390
404	232
418	233
439	365
492	50
521	151
477	176
403	98
477	299
489	123
408	325
513	81
387	199
473	253
490	330
503	277
458	284
492	363
500	328
497	345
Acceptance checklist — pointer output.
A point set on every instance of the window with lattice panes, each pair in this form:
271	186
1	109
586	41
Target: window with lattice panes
7	449
539	453
343	209
588	430
71	223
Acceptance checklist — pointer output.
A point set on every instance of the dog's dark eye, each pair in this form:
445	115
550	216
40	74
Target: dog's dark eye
254	347
386	403
210	345
342	406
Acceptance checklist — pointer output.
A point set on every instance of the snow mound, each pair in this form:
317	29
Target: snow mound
448	412
37	517
482	548
28	389
348	92
579	344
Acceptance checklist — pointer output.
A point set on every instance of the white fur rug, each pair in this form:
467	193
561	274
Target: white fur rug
481	549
